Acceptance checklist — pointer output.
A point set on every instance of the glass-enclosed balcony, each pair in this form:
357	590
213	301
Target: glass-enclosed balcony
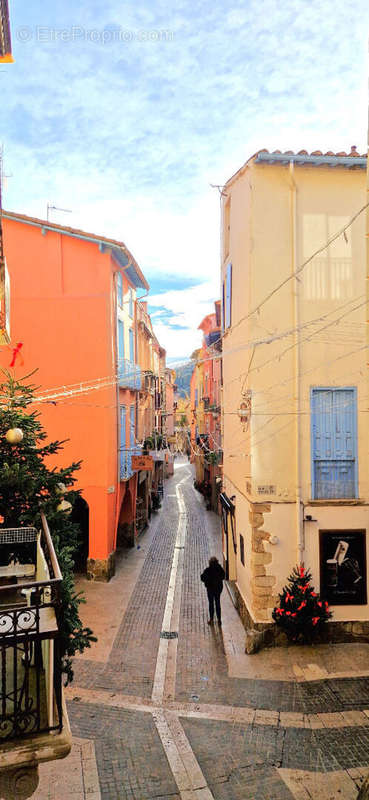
129	374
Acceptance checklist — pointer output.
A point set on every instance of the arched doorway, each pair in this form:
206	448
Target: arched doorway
80	516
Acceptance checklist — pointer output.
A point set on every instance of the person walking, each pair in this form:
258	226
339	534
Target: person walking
213	577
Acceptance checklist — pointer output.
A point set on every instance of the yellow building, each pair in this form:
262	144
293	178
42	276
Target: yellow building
295	421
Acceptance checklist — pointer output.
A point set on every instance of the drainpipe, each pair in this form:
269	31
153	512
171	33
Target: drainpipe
297	357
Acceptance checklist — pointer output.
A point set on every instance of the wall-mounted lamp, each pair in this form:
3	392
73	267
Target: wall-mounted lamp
309	518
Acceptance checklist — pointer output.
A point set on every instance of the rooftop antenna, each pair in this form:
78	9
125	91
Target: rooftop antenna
51	207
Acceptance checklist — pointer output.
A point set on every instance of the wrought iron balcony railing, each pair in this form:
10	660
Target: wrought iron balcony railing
30	688
129	374
126	454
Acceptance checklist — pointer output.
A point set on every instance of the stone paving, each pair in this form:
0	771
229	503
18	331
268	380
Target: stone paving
194	717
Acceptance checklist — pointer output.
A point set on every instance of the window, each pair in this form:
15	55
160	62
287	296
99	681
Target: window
130	306
227	298
132	426
329	276
334	442
122	427
120	341
242	550
131	346
119	289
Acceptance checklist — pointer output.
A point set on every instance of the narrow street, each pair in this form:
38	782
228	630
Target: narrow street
165	706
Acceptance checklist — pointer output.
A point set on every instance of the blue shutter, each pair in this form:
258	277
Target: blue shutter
122	427
120	289
122	443
132	426
131	346
120	342
228	297
334	445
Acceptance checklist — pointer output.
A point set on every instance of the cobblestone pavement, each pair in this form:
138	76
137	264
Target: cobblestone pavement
155	712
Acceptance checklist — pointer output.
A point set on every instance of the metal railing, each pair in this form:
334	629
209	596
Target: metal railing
30	659
126	454
129	374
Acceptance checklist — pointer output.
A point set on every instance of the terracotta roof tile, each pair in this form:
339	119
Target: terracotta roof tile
342	154
353	153
79	233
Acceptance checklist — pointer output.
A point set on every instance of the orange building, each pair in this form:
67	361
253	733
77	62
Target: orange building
205	391
73	306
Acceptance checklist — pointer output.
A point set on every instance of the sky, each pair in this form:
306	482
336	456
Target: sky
127	112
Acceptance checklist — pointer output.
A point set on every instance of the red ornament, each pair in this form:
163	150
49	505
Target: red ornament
302	572
314	594
16	353
315	620
302	605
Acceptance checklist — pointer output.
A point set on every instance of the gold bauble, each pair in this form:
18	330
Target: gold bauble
61	488
65	506
14	435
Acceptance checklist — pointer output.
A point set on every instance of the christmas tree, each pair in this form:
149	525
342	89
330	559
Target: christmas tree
28	486
301	613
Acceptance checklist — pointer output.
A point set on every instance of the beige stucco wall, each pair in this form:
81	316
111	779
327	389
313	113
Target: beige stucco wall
273	452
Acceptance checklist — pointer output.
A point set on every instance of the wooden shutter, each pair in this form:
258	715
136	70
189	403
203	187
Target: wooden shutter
334	445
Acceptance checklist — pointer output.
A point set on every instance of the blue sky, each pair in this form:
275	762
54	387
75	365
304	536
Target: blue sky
127	112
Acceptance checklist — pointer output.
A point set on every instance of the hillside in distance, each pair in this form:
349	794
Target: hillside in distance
183	377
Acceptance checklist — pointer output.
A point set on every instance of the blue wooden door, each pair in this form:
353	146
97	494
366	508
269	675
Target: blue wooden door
334	459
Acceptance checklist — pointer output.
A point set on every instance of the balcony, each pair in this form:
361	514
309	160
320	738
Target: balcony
126	454
148	382
34	726
129	374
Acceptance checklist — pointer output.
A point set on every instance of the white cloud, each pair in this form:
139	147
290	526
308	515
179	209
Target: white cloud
189	307
130	134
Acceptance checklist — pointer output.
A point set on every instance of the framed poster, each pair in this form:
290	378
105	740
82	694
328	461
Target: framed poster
343	567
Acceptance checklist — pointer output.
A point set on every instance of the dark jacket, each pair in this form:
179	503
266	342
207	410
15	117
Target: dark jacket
213	578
